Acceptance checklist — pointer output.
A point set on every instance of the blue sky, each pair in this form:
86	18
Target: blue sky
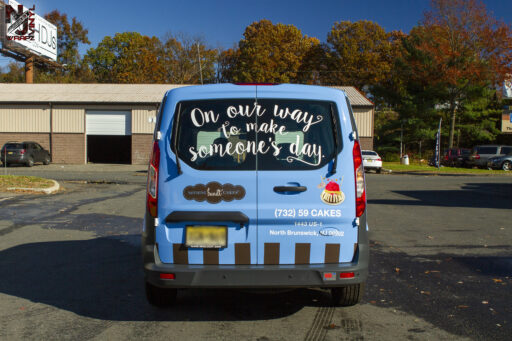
222	22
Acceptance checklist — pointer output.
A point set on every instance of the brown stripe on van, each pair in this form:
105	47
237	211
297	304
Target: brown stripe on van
302	252
271	255
211	256
180	254
242	253
332	253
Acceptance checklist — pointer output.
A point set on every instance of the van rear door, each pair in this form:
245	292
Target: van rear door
209	206
306	208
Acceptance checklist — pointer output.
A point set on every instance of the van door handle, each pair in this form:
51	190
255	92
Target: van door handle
281	189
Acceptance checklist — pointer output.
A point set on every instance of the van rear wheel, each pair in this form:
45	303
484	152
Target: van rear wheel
347	296
160	297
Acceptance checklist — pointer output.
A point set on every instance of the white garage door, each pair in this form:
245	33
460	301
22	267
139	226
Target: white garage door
100	122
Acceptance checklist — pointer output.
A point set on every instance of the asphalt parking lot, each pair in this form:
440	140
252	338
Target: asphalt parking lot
441	267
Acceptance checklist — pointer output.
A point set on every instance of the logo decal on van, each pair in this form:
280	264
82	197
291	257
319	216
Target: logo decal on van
332	194
214	192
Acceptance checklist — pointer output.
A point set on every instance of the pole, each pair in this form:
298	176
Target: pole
439	144
200	66
401	138
29	70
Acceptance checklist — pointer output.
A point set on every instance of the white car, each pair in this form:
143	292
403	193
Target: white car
372	160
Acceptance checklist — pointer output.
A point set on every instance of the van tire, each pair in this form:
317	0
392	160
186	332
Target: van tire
160	297
347	296
30	162
46	160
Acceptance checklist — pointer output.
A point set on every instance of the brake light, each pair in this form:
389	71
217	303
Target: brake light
347	275
379	159
152	186
167	276
477	157
359	179
22	151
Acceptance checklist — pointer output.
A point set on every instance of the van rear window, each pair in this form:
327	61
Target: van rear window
242	134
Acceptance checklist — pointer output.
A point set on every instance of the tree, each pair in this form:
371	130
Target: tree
181	56
70	35
15	73
358	54
128	57
227	62
268	53
466	47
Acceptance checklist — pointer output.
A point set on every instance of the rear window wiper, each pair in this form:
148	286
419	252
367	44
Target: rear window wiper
335	133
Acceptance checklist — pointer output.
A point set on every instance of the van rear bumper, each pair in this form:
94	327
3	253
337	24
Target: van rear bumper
253	276
257	276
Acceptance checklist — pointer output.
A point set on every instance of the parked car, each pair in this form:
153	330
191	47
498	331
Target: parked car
26	153
500	162
481	154
255	186
452	156
372	161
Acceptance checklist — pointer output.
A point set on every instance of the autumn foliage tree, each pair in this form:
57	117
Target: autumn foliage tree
268	53
127	57
187	60
357	54
71	33
465	48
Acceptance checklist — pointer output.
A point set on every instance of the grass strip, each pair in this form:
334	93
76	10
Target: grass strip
423	168
7	181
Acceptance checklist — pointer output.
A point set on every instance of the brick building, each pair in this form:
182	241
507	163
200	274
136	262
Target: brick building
105	123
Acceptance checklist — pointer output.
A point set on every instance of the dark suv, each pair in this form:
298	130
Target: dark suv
451	156
26	153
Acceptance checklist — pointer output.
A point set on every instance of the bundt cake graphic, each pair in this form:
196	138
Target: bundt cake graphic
332	195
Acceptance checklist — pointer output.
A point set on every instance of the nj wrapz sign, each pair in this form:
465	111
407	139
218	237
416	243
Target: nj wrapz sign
22	30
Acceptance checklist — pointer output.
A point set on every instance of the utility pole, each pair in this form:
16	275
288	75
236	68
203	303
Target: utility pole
199	60
29	70
401	139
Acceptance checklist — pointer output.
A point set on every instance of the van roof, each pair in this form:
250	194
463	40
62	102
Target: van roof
297	91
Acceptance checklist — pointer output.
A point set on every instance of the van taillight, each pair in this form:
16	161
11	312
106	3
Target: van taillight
152	187
477	157
359	177
22	151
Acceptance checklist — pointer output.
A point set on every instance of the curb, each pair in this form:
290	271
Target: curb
49	190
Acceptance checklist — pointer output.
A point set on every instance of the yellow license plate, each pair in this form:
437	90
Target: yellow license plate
10	153
206	237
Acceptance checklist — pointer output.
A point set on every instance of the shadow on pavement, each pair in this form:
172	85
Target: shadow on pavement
102	278
483	195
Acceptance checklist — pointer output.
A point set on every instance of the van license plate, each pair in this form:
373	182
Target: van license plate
206	237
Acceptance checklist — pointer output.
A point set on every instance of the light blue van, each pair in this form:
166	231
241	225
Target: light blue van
255	186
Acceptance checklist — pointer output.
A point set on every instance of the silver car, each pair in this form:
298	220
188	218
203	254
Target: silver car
500	162
481	154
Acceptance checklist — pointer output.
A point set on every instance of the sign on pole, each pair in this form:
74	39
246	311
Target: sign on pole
25	32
